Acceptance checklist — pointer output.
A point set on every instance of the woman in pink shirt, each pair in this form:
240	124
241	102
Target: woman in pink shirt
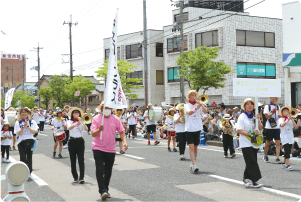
104	149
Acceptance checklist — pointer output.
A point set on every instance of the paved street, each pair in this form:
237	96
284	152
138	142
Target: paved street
151	173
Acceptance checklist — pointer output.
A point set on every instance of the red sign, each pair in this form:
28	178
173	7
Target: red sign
12	56
214	104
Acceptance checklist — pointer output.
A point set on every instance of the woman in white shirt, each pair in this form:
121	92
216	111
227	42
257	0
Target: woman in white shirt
36	118
180	130
42	115
246	127
6	137
170	126
58	124
25	128
76	144
131	116
287	124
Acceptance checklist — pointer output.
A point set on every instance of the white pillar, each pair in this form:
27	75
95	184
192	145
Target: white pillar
285	86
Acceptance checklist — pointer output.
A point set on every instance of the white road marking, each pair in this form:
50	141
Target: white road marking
42	134
131	156
33	176
275	191
3	177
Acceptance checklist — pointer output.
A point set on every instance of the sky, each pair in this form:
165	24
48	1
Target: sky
27	23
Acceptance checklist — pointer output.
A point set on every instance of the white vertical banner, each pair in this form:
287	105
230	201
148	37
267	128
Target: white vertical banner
114	95
9	97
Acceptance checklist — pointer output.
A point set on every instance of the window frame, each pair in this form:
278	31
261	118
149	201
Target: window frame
176	50
257	77
201	33
173	80
264	36
6	77
133	83
162	77
118	55
175	17
6	69
139	50
160	48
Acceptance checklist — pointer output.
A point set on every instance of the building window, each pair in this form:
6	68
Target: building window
7	69
159	77
159	49
92	99
6	78
206	39
133	51
256	39
136	74
173	44
256	70
107	53
172	74
177	17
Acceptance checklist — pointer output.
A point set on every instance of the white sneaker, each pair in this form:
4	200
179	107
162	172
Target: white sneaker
289	168
247	182
182	157
195	169
284	165
256	184
191	167
3	160
65	146
7	161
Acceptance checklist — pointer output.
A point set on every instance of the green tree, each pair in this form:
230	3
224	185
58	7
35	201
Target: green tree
3	101
85	86
58	86
199	69
46	94
124	68
23	98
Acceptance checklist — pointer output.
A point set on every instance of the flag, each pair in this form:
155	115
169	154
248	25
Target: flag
9	97
114	95
77	93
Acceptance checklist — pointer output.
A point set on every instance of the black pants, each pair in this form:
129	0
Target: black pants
287	150
228	144
76	148
89	127
132	128
205	128
252	170
25	155
5	149
65	141
181	138
41	126
104	162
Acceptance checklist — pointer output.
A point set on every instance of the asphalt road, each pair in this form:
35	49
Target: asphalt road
151	173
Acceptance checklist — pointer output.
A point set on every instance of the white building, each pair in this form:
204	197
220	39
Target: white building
250	44
291	14
129	50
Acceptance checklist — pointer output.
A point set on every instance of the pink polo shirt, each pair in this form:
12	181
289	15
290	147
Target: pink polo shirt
110	126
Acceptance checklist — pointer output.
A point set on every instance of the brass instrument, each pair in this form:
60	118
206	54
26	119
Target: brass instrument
88	110
294	113
226	127
180	108
204	99
87	118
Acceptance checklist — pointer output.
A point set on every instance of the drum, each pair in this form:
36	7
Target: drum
11	117
59	135
155	113
171	132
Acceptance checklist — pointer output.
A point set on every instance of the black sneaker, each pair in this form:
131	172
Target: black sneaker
169	149
104	195
54	154
81	181
233	155
174	149
178	145
277	161
75	181
266	159
256	184
60	156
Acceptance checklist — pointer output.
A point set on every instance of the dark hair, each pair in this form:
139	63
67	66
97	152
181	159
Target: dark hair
223	106
73	112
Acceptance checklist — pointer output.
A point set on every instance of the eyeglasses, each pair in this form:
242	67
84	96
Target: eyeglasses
119	109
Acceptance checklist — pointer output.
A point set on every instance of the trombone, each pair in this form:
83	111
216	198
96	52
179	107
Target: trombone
204	99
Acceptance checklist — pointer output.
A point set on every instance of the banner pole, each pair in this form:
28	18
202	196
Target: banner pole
256	110
103	117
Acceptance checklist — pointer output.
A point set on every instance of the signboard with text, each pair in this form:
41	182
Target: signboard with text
12	56
256	87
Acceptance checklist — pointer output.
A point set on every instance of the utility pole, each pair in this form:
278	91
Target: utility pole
38	48
182	100
145	52
23	66
12	76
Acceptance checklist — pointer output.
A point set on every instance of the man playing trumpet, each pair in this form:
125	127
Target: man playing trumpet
193	125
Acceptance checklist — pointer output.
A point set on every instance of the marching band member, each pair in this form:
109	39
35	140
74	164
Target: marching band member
42	120
6	137
227	138
118	112
169	121
88	111
58	124
66	117
193	125
131	116
25	128
36	118
151	126
76	144
180	129
246	127
287	124
104	149
272	127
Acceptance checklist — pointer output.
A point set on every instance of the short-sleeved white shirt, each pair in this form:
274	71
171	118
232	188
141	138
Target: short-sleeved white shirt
298	140
275	116
26	134
148	122
170	122
58	125
36	117
6	141
132	119
244	123
286	132
204	115
180	127
76	131
5	120
42	117
193	122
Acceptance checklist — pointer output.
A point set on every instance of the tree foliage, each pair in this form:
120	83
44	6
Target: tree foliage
124	68
58	85
26	99
46	94
199	69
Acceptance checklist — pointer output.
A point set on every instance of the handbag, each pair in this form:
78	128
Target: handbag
272	120
28	143
256	140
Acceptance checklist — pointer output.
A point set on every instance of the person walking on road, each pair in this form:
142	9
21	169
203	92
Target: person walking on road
104	149
150	126
58	124
180	129
246	127
76	144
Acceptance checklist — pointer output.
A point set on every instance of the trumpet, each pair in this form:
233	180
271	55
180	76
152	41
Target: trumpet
294	113
87	118
204	99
